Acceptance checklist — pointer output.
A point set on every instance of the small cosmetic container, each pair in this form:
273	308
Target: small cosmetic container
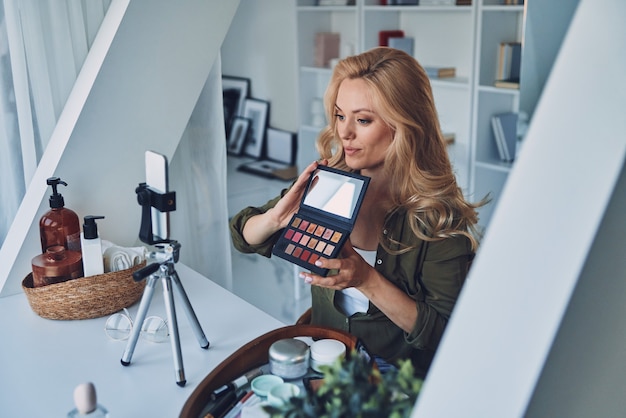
289	358
56	265
281	393
326	352
261	385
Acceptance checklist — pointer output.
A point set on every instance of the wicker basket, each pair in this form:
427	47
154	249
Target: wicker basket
85	297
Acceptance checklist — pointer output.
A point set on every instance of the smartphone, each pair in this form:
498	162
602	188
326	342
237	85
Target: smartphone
157	180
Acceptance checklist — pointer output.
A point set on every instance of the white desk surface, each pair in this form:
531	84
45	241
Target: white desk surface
42	360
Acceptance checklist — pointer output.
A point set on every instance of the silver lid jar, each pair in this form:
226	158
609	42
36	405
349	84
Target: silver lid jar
289	358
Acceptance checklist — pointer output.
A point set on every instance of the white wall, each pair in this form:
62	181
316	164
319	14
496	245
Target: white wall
261	45
548	283
136	95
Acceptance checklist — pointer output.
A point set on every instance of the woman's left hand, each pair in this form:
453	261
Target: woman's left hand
353	270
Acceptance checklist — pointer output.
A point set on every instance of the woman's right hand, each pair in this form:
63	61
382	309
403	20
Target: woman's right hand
259	228
290	202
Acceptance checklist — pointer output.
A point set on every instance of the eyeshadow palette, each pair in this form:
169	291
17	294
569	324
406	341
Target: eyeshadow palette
326	216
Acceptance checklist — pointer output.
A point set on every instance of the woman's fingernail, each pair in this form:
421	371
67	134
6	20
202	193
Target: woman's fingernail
308	279
318	263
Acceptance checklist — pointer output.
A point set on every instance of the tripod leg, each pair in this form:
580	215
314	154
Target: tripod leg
168	296
191	315
141	315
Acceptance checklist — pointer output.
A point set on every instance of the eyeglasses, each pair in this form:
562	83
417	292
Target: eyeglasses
119	326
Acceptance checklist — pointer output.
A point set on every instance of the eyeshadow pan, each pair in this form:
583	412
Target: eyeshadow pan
303	225
296	222
313	258
336	237
311	228
297	252
313	242
289	233
319	230
320	246
328	233
289	248
329	249
297	236
305	239
305	255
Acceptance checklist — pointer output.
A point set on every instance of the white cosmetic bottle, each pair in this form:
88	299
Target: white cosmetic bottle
91	246
86	403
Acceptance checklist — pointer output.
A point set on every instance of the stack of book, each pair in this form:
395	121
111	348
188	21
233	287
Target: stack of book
440	72
335	2
509	62
504	127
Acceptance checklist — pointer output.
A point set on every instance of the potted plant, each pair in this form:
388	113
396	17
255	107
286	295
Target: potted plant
353	387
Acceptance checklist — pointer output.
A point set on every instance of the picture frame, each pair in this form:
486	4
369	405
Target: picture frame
280	156
258	112
281	145
238	132
235	91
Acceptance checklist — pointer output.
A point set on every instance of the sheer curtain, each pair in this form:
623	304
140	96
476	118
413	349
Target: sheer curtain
43	44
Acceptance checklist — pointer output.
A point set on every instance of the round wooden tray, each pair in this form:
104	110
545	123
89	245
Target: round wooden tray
255	354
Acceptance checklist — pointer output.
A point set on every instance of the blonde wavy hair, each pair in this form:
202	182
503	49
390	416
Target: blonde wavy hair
420	174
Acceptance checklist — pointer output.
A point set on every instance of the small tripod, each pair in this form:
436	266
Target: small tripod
166	256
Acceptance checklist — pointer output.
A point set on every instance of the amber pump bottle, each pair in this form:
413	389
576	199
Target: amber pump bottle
60	225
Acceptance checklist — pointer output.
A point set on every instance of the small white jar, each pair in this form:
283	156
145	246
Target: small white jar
325	352
289	358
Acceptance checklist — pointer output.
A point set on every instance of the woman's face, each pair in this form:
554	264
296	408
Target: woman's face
364	135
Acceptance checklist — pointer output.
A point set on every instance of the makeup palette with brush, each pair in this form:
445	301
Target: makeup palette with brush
326	216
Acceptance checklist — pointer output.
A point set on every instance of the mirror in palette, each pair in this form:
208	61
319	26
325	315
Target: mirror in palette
333	193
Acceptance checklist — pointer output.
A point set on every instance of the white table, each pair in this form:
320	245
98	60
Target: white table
42	361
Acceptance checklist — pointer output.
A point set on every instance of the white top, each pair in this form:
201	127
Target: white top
352	300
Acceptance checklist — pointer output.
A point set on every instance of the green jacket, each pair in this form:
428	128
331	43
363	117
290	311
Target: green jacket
431	273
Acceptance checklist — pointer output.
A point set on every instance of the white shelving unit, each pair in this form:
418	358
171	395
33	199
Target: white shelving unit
465	37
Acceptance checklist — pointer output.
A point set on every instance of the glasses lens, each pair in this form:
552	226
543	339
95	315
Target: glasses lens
118	326
155	329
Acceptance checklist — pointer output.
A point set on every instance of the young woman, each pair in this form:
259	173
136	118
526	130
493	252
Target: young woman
403	267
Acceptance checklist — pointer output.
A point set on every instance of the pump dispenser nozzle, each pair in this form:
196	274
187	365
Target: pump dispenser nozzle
56	199
90	228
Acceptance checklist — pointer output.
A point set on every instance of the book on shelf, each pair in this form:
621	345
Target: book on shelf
463	2
437	2
403	43
335	2
507	84
449	137
509	60
504	127
440	72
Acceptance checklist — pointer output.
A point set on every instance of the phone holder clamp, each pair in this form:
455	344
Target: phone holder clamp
149	198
